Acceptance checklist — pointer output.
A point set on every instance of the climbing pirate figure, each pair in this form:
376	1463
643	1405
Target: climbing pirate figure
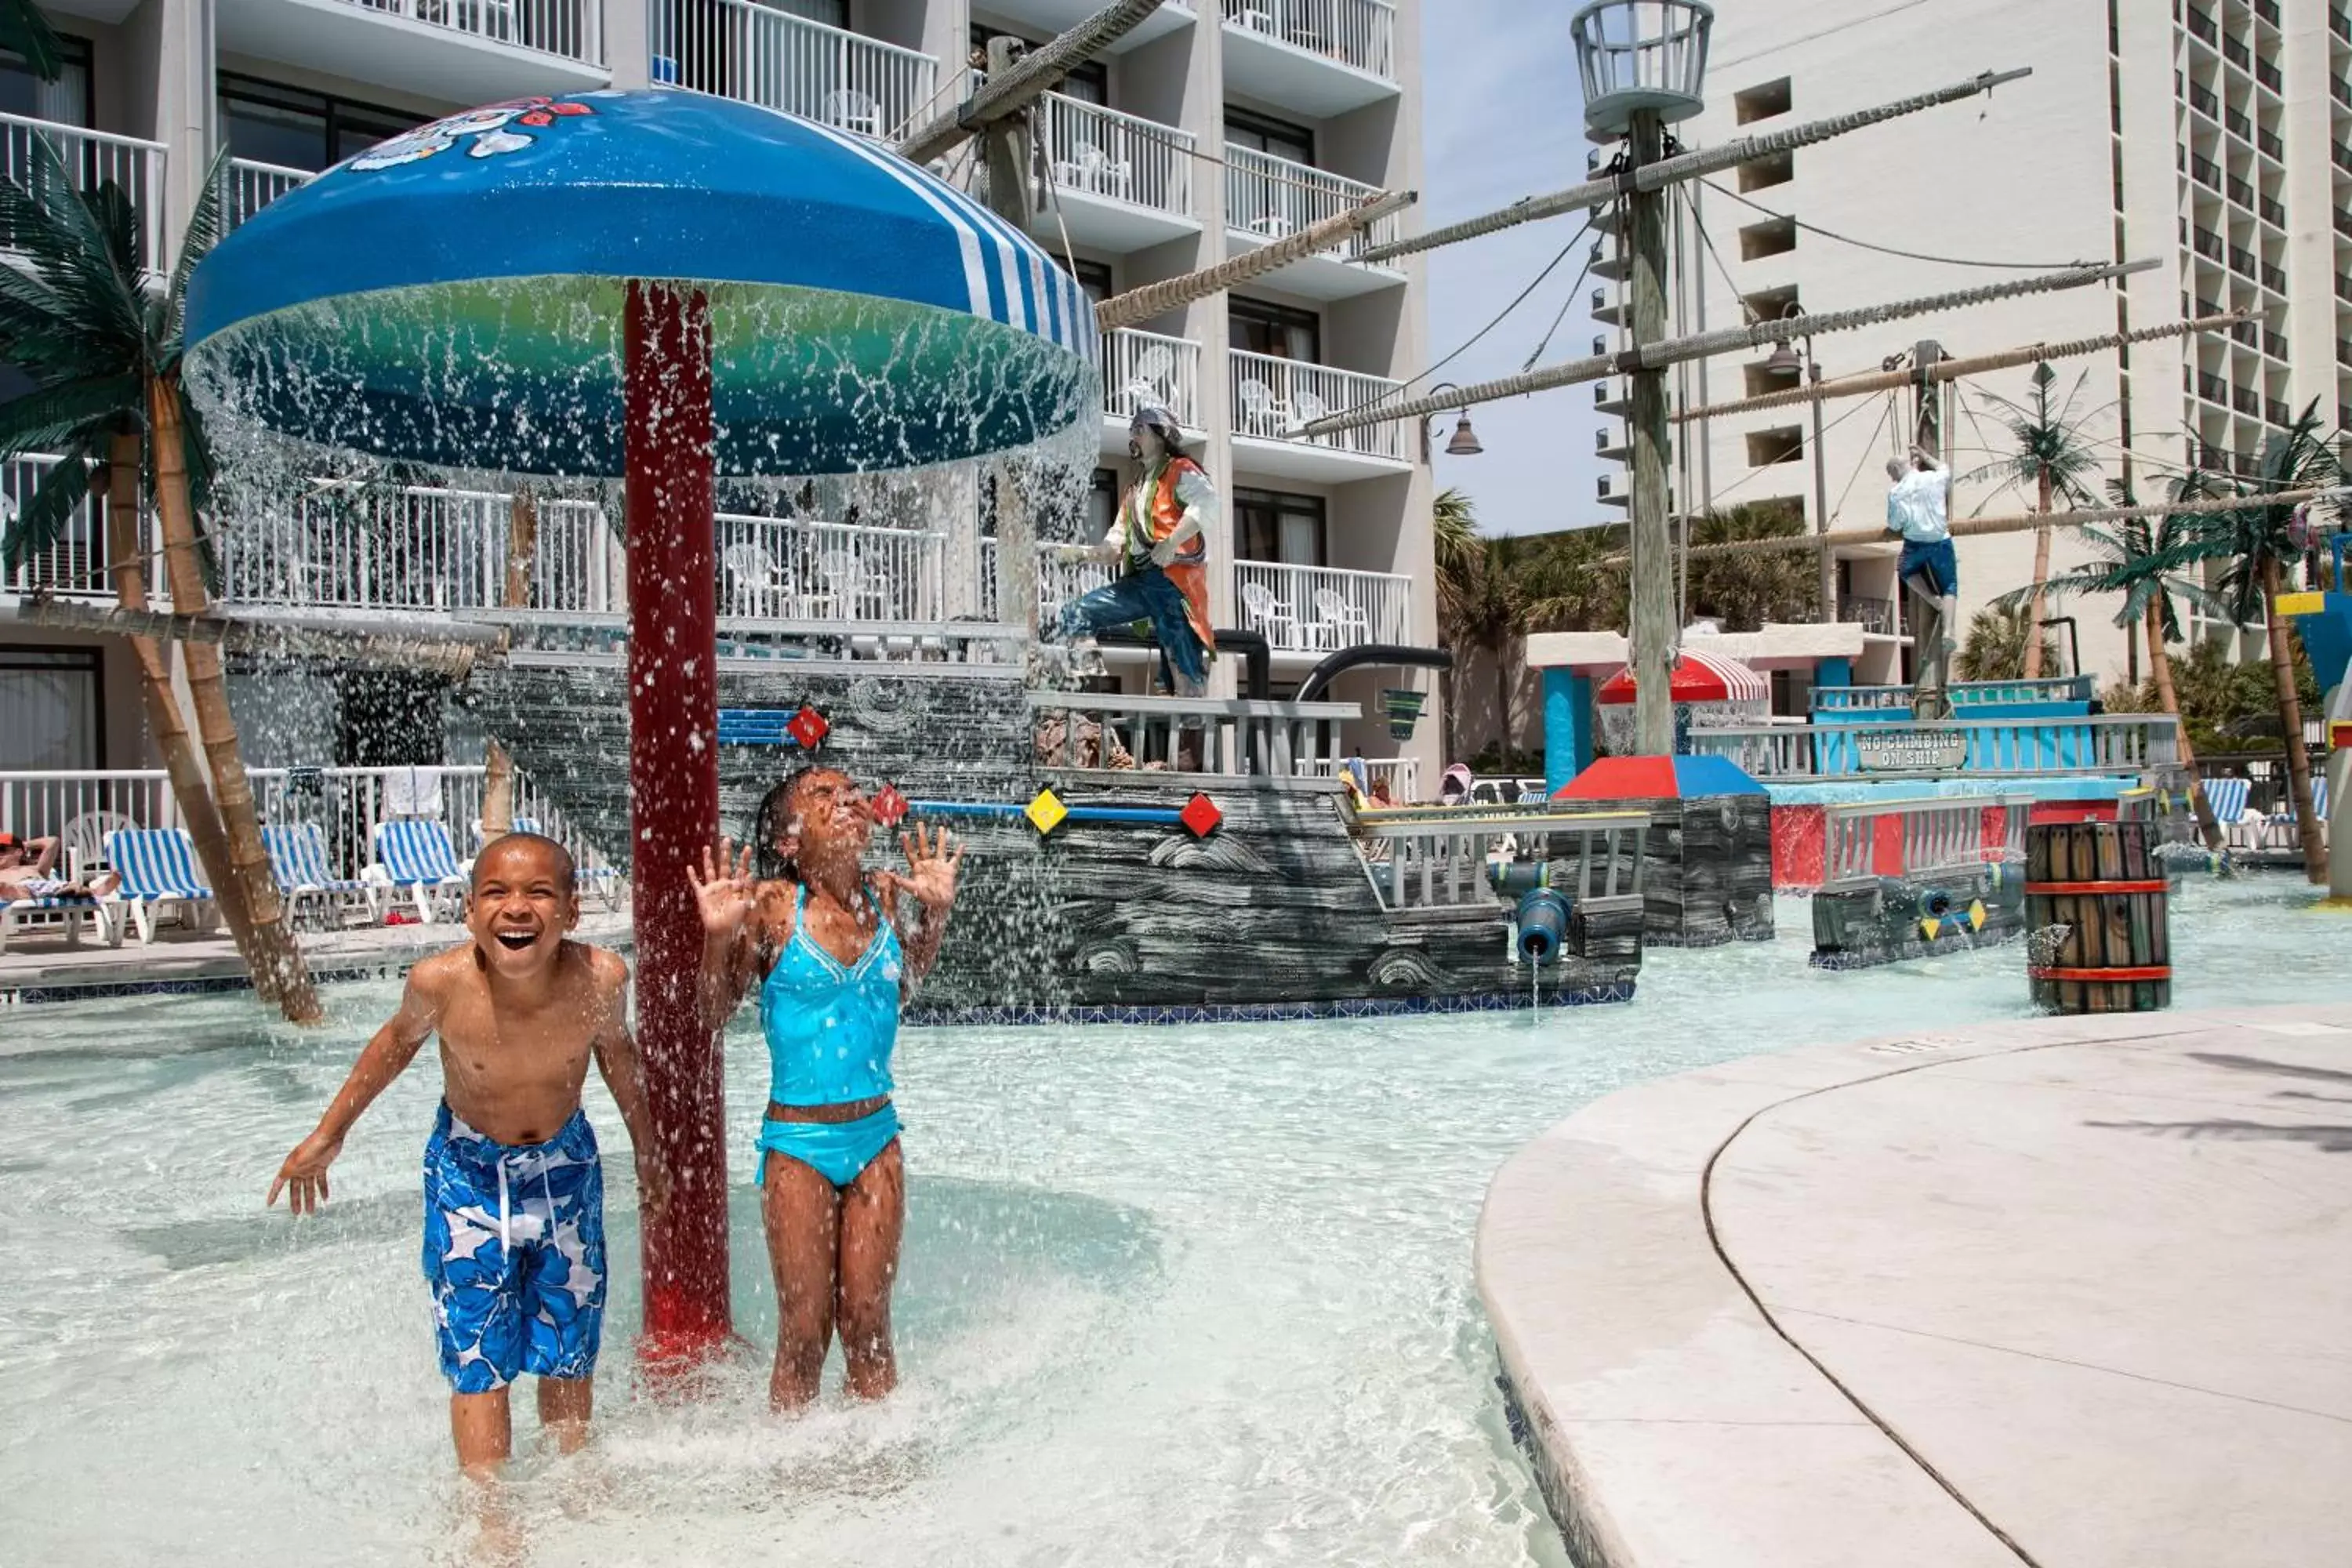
1159	542
1917	507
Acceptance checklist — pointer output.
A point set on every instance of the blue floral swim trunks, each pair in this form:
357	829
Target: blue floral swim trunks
514	1251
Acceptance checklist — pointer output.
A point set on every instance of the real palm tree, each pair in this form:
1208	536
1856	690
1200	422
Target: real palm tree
103	350
1994	648
2143	560
1454	525
1745	591
2053	459
2259	544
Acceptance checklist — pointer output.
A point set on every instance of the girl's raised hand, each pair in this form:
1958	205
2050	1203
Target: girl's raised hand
723	892
934	855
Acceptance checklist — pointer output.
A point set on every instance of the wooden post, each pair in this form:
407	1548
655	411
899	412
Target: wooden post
1012	196
673	800
1652	619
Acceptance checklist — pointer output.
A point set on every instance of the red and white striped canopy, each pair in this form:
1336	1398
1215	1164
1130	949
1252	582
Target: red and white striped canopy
1699	676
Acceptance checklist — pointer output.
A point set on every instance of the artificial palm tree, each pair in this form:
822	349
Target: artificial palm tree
103	350
2142	559
26	30
2052	458
2259	543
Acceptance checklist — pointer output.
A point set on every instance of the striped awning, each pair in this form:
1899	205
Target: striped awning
1699	676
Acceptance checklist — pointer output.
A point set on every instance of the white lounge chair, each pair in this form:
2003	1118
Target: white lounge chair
298	858
2227	796
158	868
59	911
854	112
415	856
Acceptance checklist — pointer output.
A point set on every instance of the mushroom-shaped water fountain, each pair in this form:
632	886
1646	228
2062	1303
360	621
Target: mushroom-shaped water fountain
670	289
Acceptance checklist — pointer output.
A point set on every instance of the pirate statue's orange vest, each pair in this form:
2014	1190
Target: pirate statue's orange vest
1155	509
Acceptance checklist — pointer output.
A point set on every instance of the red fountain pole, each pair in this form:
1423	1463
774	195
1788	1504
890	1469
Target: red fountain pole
673	800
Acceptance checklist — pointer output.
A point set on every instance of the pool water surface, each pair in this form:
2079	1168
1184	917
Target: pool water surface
1169	1295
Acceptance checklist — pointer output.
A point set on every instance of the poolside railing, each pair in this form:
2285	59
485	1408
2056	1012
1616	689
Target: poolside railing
2127	743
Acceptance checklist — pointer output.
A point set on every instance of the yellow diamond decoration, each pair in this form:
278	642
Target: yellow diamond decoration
1930	925
1976	914
1046	812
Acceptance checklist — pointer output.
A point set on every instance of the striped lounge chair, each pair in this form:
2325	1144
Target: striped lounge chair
65	912
414	855
298	858
602	882
158	868
2227	796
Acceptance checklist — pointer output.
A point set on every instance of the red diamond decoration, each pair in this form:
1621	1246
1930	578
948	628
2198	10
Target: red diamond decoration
1200	815
890	807
808	727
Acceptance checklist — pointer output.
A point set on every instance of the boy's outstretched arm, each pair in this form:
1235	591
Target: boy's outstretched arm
618	1059
303	1176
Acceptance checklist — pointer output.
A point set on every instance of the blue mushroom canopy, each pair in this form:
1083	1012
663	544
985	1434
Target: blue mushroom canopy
455	296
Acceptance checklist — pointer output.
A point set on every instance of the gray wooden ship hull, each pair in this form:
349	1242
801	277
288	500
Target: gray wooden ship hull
1274	914
1918	917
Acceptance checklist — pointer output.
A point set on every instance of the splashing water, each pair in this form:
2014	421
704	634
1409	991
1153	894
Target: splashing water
1169	1295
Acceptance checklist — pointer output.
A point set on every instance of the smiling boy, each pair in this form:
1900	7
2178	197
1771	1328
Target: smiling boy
514	1193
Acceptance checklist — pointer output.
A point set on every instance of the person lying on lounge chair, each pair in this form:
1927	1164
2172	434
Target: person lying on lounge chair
24	867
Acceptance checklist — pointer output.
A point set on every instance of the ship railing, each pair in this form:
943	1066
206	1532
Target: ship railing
1234	737
1442	859
1934	836
2068	745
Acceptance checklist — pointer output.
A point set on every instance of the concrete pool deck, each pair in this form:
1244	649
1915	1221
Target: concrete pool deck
2073	1292
42	967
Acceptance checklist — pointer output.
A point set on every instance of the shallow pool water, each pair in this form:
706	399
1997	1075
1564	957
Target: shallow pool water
1171	1295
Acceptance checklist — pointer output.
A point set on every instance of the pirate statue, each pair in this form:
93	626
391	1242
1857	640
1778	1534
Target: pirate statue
1159	544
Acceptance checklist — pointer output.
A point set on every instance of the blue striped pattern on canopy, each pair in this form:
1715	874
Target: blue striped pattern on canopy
416	853
156	863
453	296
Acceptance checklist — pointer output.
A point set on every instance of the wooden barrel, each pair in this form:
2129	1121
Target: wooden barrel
2095	917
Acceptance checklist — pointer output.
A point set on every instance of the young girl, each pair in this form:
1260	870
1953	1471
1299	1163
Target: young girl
832	958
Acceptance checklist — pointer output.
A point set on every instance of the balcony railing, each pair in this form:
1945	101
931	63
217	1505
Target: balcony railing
736	49
2344	287
2342	156
1140	368
2270	145
1273	197
2339	24
2245	400
2344	350
1100	152
2241	192
2234	50
2205	171
93	159
2274	343
2273	213
2274	278
2267	74
2339	90
571	28
799	569
2202	99
1320	609
246	187
2240	126
2213	388
2241	261
1271	396
2201	23
1357	32
76	564
1870	614
2207	244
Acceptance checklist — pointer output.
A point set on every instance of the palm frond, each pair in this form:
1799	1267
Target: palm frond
24	28
72	244
168	314
37	524
63	413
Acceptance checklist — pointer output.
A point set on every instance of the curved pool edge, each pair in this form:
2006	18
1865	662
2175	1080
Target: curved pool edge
1668	1421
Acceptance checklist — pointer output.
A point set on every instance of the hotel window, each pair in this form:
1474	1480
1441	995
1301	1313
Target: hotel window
1095	279
831	12
267	123
65	101
1272	526
1259	327
52	710
1277	137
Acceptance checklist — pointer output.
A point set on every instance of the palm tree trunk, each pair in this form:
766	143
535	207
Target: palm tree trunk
166	722
281	974
2290	706
2040	576
2159	669
498	778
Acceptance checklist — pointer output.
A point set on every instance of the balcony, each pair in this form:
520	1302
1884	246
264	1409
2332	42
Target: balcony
1319	57
2200	23
92	159
2339	24
1123	183
800	569
2241	192
1268	198
2206	172
1874	616
76	565
458	51
1048	18
2270	145
739	49
2202	100
2238	126
2268	75
2273	213
2341	155
2274	278
1320	609
2242	262
2213	388
248	186
1140	368
2276	412
1271	396
2207	244
2343	352
2235	51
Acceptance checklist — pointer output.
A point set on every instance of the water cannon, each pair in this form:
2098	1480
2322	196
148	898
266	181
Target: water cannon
1540	925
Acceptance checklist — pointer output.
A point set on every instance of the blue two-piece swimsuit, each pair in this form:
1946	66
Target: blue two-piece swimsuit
829	1033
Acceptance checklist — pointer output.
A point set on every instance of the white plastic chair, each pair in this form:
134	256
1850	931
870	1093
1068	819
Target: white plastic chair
854	112
1262	414
1273	226
860	595
1306	408
84	840
1267	612
757	586
1257	19
1106	176
1335	619
1154	369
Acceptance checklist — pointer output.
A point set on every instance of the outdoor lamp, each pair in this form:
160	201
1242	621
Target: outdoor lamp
1465	442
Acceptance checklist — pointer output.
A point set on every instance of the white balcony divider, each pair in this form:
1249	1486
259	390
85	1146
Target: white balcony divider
345	802
1273	197
1100	152
93	159
735	49
801	570
1361	34
248	186
571	28
1320	609
1146	367
1271	396
76	566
